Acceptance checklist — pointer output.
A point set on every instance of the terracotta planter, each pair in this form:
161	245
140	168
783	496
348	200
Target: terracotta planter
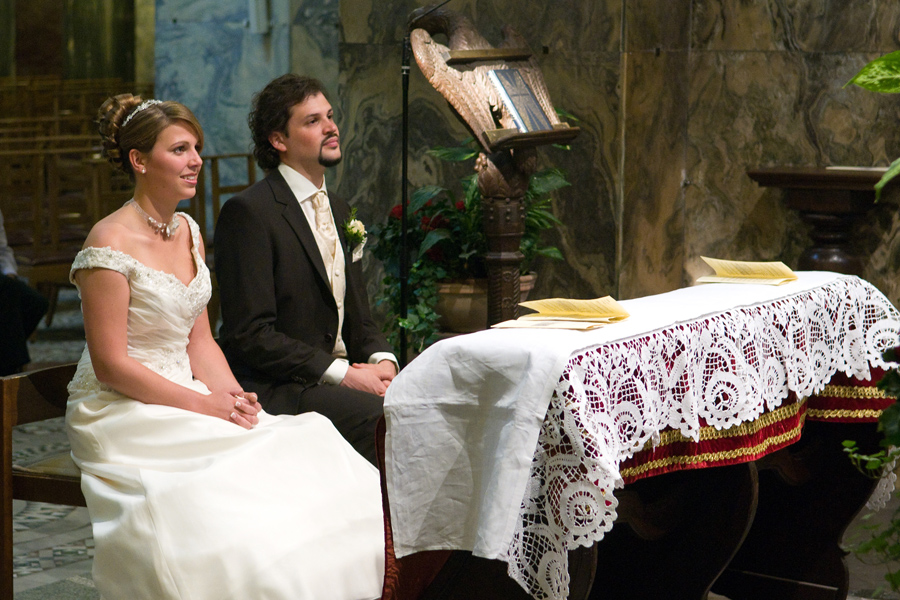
463	303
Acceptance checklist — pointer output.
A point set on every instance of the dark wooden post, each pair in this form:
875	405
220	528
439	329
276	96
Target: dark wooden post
502	182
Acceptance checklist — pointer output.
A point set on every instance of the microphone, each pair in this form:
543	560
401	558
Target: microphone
404	161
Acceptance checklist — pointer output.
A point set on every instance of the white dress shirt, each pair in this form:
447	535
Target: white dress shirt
304	191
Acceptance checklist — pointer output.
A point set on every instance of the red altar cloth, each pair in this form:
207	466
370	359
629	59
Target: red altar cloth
843	400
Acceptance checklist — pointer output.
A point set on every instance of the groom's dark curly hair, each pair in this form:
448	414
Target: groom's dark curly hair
271	111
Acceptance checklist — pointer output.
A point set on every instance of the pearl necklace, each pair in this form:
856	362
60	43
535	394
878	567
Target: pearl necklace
166	230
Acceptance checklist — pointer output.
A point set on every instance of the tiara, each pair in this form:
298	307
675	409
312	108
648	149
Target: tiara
140	107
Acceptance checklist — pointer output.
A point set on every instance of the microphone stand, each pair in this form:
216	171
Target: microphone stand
404	184
404	243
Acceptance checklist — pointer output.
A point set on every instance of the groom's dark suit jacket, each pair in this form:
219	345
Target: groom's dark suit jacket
279	317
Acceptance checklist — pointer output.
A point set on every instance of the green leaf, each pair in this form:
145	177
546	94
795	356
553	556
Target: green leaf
889	423
544	182
542	219
551	252
890	383
421	196
892	172
453	154
880	75
564	114
890	355
434	236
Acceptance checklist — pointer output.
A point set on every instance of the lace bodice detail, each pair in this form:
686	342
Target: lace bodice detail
161	312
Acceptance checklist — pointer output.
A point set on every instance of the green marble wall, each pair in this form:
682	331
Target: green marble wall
676	100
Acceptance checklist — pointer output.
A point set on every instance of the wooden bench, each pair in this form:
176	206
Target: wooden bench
28	398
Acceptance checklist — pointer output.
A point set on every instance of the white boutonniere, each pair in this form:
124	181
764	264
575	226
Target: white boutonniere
356	234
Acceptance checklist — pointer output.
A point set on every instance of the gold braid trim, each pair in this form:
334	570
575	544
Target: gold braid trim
852	392
845	413
713	456
748	428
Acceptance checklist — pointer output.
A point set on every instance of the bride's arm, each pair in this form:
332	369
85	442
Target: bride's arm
105	295
209	364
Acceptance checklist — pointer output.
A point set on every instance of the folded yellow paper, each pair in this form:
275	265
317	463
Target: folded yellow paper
566	313
738	271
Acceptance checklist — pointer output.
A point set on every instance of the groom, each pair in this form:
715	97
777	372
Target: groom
296	326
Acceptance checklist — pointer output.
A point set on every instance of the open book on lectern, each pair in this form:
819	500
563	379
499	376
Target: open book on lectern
519	100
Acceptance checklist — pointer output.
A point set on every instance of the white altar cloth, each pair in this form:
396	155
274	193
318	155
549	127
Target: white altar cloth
465	469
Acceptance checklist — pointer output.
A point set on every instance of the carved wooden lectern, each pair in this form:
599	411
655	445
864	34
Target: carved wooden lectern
462	74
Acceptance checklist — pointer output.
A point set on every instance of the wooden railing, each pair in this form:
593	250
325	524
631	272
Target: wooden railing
46	96
52	193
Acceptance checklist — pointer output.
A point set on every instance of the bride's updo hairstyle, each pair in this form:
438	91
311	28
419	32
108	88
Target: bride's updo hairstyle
129	123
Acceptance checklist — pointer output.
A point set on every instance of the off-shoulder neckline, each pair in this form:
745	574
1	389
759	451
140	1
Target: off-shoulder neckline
195	254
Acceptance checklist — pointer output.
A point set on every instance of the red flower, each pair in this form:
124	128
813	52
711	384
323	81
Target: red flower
435	222
397	212
460	206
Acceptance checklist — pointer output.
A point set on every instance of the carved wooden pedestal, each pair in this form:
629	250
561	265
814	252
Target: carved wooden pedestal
831	201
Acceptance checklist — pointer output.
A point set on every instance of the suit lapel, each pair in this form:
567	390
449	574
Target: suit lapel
297	220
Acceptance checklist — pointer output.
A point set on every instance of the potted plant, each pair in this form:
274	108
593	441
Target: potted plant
447	245
883	75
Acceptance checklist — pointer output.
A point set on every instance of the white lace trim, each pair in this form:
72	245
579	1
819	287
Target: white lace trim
726	369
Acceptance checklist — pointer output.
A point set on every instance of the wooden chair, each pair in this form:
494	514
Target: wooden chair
242	165
213	165
45	196
27	398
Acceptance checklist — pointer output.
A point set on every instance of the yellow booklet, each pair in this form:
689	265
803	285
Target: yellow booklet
565	313
737	271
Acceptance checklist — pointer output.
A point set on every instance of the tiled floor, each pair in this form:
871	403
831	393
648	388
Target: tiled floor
54	546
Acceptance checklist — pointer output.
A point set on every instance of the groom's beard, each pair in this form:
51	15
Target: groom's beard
329	162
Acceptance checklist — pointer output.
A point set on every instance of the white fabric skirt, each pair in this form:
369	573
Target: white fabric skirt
193	507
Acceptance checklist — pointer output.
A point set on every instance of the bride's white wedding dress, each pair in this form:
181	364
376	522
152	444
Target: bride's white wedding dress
194	507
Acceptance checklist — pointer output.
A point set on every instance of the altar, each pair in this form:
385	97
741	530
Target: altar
514	443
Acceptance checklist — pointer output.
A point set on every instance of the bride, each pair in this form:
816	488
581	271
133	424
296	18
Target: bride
193	490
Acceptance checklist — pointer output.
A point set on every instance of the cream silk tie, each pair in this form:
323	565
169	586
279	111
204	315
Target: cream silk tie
325	222
327	238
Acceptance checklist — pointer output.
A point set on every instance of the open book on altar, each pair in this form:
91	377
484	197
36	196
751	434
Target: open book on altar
566	313
737	271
